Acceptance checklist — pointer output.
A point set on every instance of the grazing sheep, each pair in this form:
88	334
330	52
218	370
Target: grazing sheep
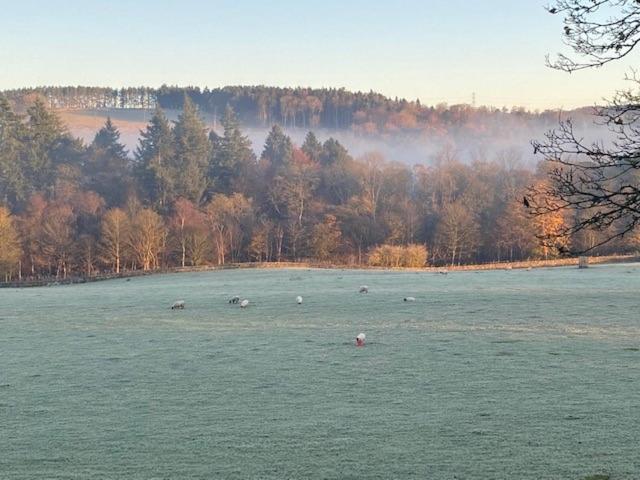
178	305
364	289
244	303
235	299
299	300
360	340
409	299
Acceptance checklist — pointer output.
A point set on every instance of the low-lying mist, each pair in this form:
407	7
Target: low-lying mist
507	136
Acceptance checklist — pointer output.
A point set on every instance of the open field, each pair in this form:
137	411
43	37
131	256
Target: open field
488	374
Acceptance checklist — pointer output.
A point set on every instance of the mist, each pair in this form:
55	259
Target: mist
508	135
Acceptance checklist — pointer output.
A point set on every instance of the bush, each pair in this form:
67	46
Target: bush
392	256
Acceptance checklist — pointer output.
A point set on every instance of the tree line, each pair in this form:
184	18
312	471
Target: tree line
366	113
190	196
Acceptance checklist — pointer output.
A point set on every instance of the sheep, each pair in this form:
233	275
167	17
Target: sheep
244	303
299	300
364	289
409	299
360	338
178	305
235	299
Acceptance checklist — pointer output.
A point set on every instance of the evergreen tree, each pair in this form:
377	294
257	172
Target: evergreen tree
233	162
107	165
13	184
278	149
333	153
191	153
155	162
46	145
312	147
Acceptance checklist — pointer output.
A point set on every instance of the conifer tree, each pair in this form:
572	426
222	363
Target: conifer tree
107	166
13	184
232	161
191	154
155	162
45	144
278	149
312	147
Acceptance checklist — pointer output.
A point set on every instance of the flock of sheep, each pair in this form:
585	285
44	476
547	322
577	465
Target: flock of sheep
360	338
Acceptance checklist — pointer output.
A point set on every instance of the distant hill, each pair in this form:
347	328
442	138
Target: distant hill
398	128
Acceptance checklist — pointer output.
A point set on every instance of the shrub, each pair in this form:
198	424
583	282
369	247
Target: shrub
412	255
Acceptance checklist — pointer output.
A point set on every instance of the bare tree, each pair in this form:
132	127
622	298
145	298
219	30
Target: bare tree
114	230
599	31
597	182
11	249
146	238
457	235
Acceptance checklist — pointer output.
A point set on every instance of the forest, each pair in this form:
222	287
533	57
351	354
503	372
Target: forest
364	113
191	196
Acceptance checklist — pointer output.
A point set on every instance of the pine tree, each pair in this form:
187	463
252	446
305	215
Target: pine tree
278	149
233	162
312	147
45	140
107	166
13	184
191	154
155	162
333	153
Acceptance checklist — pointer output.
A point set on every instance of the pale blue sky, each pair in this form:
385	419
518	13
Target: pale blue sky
435	50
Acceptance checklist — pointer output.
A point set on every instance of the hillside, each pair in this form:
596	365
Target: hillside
399	129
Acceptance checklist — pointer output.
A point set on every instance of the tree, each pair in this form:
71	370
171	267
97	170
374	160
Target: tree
597	181
29	223
13	183
114	234
188	228
372	182
233	163
11	250
46	144
457	232
56	238
325	238
192	154
227	217
155	161
514	234
278	149
107	166
290	193
600	31
312	147
261	241
333	153
358	226
146	238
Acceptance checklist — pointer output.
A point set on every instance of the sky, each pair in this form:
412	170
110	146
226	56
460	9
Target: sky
434	50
